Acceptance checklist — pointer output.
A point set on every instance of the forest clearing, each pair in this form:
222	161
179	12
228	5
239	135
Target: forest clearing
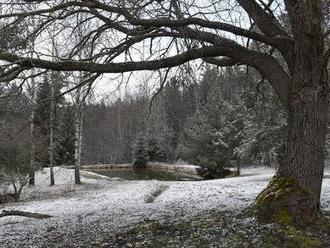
164	123
101	210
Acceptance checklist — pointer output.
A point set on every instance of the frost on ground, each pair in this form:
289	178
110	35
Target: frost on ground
100	207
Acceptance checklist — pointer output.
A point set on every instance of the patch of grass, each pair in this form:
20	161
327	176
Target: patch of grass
297	238
218	229
143	228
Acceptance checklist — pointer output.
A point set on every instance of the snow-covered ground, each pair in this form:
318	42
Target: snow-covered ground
101	204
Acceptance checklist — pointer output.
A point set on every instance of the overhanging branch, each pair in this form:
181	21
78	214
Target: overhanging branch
222	62
266	23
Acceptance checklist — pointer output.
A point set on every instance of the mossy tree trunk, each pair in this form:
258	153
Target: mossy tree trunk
294	194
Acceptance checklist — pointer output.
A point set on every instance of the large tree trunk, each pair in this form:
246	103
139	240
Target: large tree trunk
293	196
307	125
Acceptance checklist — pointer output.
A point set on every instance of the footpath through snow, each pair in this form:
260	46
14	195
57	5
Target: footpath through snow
101	205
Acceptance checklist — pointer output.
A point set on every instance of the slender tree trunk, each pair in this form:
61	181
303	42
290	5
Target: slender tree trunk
81	96
76	149
78	136
81	135
79	114
119	120
52	133
52	114
32	134
238	171
32	121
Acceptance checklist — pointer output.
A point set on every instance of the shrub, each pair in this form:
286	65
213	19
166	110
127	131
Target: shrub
140	153
14	168
149	147
17	181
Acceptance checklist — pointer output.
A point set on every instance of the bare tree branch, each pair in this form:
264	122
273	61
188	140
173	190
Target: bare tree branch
265	22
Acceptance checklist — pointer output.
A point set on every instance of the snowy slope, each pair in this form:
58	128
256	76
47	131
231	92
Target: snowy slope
101	203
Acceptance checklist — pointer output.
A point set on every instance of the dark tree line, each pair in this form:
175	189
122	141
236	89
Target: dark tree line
230	115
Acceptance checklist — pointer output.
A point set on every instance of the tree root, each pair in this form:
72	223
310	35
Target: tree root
24	214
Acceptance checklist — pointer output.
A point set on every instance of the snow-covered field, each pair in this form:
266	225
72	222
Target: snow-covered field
102	205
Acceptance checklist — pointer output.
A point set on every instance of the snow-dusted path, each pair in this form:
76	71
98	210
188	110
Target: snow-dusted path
100	206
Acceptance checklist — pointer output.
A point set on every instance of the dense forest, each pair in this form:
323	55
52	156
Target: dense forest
209	123
228	117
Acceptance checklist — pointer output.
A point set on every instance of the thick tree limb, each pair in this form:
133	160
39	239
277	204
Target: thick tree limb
138	29
152	23
265	22
74	65
223	62
10	74
265	64
24	214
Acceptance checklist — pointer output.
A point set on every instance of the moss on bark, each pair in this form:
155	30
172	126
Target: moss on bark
283	201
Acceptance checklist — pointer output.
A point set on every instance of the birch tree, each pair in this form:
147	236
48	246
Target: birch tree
32	119
53	85
80	99
82	93
32	133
